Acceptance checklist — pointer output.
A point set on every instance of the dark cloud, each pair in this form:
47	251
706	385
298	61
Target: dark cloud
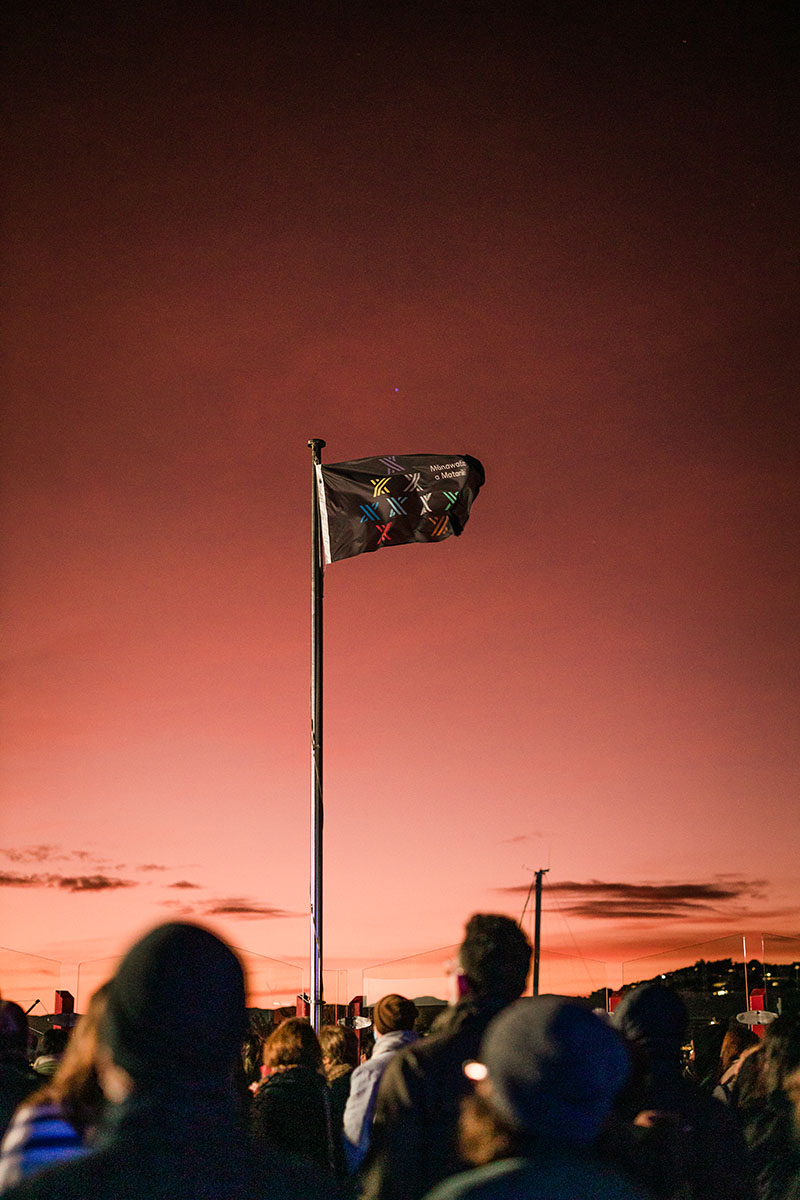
69	883
152	867
90	883
619	909
648	901
47	852
31	853
183	883
246	909
520	838
666	892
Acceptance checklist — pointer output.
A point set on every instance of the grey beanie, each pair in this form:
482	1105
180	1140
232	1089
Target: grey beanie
554	1068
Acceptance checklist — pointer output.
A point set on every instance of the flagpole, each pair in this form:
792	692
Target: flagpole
315	954
537	932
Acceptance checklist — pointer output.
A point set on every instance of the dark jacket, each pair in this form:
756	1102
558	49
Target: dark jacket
774	1143
291	1111
17	1080
415	1131
179	1147
338	1093
694	1142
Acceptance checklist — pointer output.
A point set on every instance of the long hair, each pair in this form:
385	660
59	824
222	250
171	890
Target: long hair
736	1040
781	1051
74	1086
340	1048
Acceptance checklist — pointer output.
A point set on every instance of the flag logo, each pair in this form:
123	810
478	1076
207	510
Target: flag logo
393	466
372	503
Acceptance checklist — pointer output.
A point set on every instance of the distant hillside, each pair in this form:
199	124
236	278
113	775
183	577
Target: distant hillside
715	991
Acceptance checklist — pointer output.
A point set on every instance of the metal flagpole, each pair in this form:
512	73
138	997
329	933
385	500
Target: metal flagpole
315	955
537	934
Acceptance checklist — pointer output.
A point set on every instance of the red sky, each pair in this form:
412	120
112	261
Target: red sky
563	243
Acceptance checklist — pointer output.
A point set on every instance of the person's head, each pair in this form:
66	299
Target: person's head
549	1070
54	1041
655	1019
75	1085
393	1013
175	1015
253	1047
293	1044
781	1053
339	1047
13	1029
495	957
738	1038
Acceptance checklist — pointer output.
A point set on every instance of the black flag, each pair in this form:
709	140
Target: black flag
376	502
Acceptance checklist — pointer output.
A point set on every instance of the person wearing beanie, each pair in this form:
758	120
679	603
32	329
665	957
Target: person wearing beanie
545	1084
393	1020
414	1142
169	1043
672	1136
393	1014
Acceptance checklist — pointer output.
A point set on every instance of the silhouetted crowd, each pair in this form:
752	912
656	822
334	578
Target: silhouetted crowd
164	1090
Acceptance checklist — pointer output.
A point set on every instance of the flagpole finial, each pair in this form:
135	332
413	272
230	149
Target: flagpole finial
316	444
